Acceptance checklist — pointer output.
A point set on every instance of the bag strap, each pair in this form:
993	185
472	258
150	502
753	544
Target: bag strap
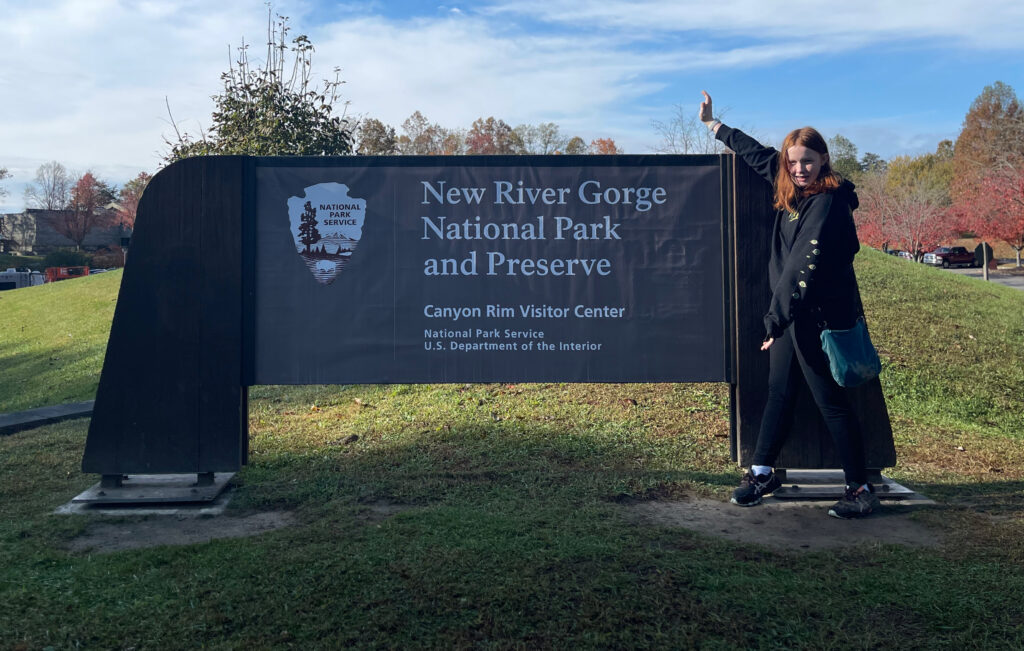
856	289
822	323
860	302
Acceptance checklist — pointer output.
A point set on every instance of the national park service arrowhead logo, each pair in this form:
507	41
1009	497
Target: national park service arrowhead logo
326	225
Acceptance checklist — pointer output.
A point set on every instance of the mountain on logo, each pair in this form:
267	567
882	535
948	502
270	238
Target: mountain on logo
326	224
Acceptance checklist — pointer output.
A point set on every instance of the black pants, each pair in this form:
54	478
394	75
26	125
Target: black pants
795	354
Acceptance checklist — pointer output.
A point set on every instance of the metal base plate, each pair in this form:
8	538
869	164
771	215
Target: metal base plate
829	484
156	489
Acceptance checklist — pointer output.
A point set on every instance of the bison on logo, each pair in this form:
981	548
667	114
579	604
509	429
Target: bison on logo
326	224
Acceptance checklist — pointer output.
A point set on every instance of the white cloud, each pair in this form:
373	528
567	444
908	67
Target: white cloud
84	81
979	23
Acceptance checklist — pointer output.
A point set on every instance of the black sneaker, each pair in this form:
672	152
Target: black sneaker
856	503
752	488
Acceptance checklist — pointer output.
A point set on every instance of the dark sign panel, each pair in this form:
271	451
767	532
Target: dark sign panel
475	269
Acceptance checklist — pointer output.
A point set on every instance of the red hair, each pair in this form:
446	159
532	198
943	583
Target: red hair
787	194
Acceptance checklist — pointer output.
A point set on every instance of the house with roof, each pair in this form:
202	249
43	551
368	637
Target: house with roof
37	231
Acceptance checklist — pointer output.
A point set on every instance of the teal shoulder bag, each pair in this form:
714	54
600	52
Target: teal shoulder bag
852	357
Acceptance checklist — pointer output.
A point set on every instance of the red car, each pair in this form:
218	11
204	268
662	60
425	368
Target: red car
951	256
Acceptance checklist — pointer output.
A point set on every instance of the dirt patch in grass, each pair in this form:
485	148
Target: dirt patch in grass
190	529
784	525
106	537
378	510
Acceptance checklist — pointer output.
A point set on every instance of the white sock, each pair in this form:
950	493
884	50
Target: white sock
760	470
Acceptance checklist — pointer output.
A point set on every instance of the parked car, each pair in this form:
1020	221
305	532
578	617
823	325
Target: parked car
950	256
18	277
900	253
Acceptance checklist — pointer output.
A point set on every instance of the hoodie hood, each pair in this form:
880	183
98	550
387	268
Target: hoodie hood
848	190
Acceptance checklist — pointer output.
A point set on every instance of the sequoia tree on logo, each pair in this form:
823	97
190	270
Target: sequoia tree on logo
308	234
326	216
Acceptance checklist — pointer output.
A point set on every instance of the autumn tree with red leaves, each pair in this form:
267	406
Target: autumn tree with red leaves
85	209
989	187
907	202
999	210
128	201
992	139
492	136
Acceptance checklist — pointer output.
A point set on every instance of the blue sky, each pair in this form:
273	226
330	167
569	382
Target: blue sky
84	82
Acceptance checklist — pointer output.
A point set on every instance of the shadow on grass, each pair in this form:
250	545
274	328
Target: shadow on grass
992	497
544	463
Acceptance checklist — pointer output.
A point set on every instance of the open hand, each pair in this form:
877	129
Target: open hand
767	343
706	116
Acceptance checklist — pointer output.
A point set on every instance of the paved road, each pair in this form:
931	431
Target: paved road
18	420
1000	276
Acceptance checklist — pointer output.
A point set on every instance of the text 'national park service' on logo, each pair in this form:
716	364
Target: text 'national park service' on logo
326	224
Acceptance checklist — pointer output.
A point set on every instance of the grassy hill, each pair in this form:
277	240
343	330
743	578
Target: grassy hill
52	340
952	345
492	515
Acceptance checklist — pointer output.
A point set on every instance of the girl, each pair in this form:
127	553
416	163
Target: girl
813	284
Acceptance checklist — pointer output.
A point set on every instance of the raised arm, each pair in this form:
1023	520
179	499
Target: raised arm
763	160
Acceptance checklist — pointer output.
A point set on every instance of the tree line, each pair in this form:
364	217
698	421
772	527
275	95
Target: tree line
486	136
974	185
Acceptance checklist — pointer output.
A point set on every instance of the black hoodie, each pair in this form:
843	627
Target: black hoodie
811	265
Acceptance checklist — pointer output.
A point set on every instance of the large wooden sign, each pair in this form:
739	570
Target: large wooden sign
249	271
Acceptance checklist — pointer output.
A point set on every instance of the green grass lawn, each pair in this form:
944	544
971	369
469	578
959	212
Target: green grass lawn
490	515
52	340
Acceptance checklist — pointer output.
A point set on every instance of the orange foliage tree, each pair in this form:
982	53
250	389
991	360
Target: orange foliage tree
85	210
128	204
604	146
988	190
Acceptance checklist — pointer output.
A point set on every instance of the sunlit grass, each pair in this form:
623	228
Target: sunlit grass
951	345
52	340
